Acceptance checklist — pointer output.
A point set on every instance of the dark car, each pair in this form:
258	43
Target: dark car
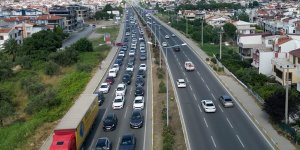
128	72
176	49
139	91
128	142
141	73
139	81
126	40
137	119
143	56
226	101
119	62
126	79
101	98
110	80
103	144
130	62
110	122
120	58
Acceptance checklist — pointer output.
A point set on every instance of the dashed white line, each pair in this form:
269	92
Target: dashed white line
202	79
199	108
191	88
229	123
240	141
195	96
205	122
198	73
125	112
207	87
187	80
220	108
213	96
213	141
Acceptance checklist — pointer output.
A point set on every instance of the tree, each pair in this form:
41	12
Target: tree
107	7
6	106
83	45
255	4
51	68
5	69
243	16
11	47
275	105
230	30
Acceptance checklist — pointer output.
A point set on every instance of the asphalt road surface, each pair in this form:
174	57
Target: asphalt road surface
227	128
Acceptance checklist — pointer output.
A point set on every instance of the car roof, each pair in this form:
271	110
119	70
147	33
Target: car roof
226	97
138	98
119	97
208	101
121	85
104	83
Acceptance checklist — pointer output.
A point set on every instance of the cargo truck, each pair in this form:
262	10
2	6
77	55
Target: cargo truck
74	127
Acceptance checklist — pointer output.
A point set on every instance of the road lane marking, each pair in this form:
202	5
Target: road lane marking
202	79
195	96
198	73
213	96
207	87
125	112
187	80
199	108
229	122
220	108
213	141
240	141
205	122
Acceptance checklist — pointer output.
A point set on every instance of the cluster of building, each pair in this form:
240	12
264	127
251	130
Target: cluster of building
271	39
20	20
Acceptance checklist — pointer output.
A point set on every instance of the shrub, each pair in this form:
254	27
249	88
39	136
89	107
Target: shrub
213	60
207	59
32	85
84	68
51	68
5	69
24	61
162	87
160	73
6	105
83	45
46	100
65	57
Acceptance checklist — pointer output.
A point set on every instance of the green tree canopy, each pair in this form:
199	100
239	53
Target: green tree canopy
11	47
230	30
6	105
107	7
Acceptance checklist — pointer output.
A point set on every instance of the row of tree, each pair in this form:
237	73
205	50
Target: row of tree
100	15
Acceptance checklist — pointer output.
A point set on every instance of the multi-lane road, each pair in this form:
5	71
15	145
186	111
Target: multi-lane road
228	128
144	134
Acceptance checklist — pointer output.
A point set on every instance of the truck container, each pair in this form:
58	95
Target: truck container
74	127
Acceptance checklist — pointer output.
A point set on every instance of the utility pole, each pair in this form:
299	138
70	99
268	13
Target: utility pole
160	48
167	87
202	32
186	25
155	34
221	32
287	96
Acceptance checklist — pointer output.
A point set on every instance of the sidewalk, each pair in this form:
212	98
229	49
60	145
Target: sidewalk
259	117
95	80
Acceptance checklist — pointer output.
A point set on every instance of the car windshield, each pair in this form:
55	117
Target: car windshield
227	100
109	118
118	100
101	144
210	104
136	115
138	101
103	86
120	89
126	141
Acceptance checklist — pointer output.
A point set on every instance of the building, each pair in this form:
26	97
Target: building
69	13
244	27
7	33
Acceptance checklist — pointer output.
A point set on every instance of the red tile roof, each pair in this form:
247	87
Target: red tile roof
49	17
5	30
295	53
283	40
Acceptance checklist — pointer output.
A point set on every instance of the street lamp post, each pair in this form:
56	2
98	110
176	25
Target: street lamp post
221	32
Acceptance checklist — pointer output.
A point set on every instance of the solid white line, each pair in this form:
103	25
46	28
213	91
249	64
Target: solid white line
213	141
199	108
118	143
240	141
229	122
205	122
220	108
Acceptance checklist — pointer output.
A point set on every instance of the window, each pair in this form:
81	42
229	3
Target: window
1	38
298	60
270	41
294	31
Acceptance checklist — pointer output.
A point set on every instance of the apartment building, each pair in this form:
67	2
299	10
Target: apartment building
69	13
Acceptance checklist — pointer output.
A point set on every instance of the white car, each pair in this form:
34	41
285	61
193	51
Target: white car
127	33
133	46
173	35
121	90
121	53
208	106
143	67
118	102
112	72
116	67
104	87
131	53
130	68
164	44
138	102
141	38
181	83
167	36
134	40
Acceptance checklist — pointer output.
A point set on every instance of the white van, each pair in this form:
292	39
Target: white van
112	72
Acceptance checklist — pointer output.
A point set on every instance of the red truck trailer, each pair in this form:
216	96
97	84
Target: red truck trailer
73	128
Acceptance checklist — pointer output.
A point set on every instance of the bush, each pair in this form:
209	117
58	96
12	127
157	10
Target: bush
5	70
6	105
160	73
65	57
45	100
24	61
213	60
84	68
168	138
32	85
162	87
51	68
83	45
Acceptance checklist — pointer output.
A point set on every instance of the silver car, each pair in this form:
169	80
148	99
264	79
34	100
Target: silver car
226	101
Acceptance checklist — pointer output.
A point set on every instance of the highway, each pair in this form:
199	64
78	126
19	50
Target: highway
228	128
144	134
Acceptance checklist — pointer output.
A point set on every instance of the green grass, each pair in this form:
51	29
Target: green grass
114	30
70	86
214	49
